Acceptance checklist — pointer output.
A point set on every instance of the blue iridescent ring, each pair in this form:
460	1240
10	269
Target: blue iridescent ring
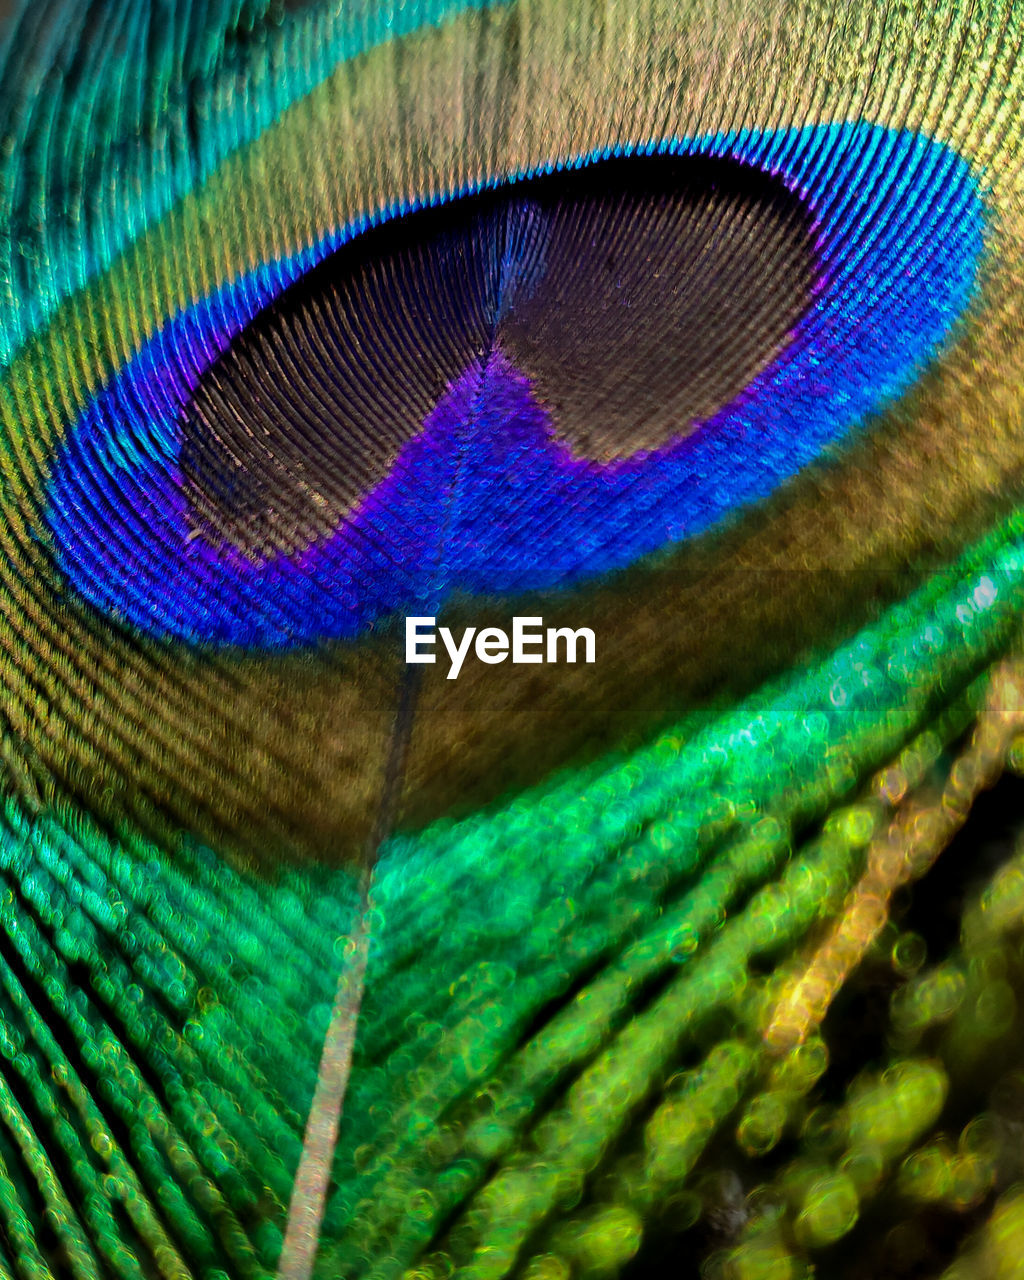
898	229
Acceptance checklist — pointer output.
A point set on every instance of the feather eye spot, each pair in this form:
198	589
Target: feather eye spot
514	388
636	296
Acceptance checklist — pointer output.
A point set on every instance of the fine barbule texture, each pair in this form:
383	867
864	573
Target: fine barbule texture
695	323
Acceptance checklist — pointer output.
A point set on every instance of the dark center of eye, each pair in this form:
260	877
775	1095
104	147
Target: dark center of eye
638	296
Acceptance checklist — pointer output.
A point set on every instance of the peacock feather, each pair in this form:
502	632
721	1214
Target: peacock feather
696	325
